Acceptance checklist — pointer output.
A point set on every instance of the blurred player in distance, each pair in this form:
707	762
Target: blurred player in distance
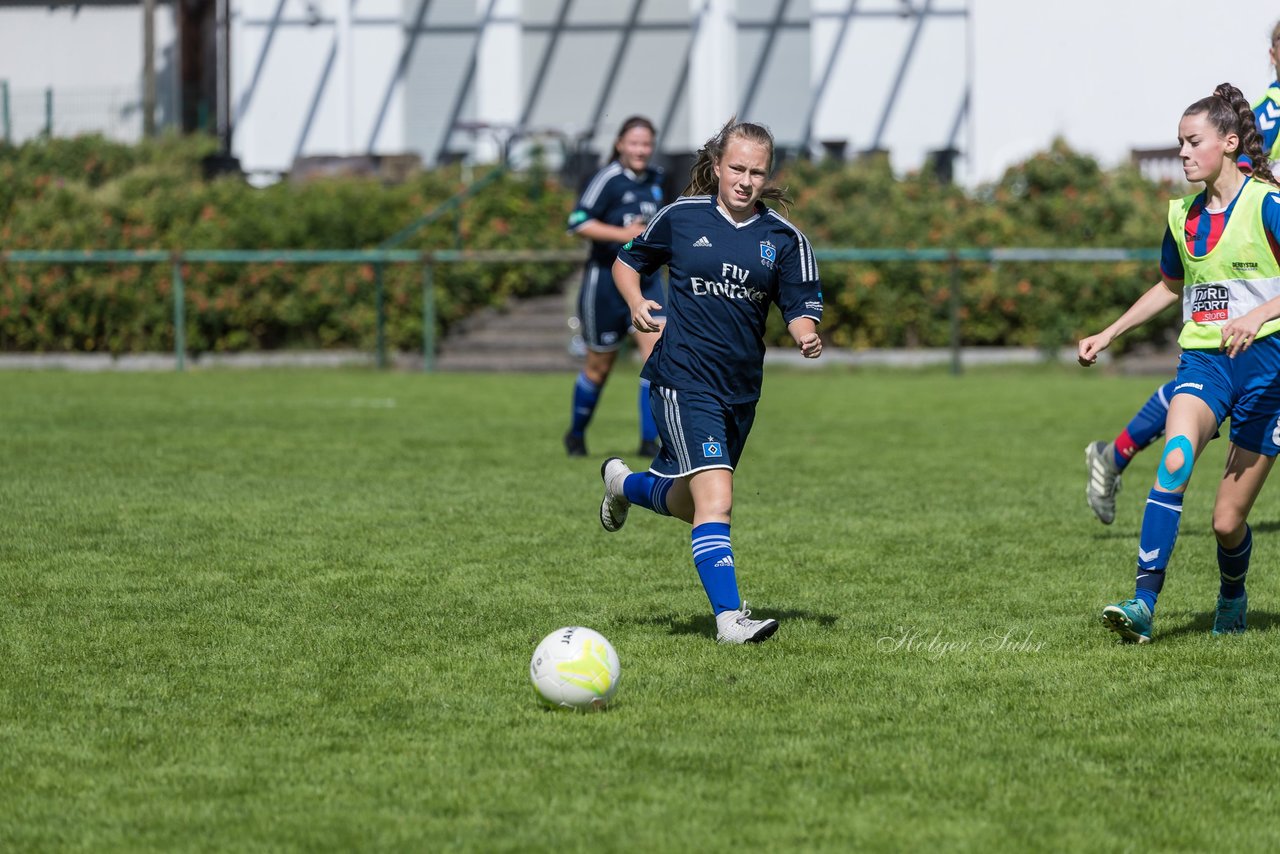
615	206
1221	257
729	258
1105	462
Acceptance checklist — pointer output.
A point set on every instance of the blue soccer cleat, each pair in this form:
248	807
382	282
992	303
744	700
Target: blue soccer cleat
1130	619
1230	618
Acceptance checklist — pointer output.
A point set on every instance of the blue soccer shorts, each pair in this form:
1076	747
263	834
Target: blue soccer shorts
605	316
698	430
1246	389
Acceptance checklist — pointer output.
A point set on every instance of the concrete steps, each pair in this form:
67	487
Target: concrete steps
528	335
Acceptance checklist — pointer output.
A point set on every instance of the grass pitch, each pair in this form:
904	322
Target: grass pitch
294	610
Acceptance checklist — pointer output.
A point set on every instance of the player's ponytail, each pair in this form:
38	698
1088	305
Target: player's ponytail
702	177
1228	110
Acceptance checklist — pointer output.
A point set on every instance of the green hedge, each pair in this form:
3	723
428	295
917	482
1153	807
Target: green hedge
1056	199
90	193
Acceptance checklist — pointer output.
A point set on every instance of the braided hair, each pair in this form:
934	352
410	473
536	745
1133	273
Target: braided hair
702	177
1228	110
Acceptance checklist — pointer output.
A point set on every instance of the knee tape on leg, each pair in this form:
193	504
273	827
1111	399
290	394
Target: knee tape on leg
1172	480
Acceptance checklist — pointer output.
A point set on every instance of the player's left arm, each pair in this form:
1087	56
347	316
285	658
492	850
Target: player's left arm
800	294
1239	332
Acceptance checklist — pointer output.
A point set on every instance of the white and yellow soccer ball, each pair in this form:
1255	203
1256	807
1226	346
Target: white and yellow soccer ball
575	668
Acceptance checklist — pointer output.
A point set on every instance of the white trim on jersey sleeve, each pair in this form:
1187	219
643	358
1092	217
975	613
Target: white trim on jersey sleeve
683	200
808	263
597	185
623	262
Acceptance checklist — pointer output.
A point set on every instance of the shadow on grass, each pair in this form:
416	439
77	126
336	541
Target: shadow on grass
705	624
1202	624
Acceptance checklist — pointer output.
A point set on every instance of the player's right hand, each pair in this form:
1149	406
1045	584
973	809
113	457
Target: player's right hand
1089	348
641	319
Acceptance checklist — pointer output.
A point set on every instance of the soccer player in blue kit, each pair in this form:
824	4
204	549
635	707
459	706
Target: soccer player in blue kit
1222	252
729	256
1105	462
617	203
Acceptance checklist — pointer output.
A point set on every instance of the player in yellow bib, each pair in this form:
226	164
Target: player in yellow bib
1222	261
1105	462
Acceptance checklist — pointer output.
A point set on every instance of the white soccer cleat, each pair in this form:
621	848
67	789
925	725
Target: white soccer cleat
738	627
614	507
1104	481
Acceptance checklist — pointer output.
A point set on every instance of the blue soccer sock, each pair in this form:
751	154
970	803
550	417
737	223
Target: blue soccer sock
1160	522
586	395
1145	427
649	491
1233	566
648	427
713	556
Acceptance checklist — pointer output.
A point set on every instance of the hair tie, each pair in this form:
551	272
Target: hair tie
1245	162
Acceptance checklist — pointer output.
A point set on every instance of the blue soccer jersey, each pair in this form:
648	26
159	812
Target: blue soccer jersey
723	277
617	196
1205	227
1266	114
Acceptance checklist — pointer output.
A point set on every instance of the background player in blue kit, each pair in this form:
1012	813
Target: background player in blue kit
1222	251
729	257
1105	462
617	203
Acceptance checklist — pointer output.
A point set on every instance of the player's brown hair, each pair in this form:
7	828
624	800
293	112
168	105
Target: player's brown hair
702	177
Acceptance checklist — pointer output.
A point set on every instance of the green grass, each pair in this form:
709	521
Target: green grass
294	611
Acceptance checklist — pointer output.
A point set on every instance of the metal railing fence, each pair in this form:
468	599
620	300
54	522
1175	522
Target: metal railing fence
430	260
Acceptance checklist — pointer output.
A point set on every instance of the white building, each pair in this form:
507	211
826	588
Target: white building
446	79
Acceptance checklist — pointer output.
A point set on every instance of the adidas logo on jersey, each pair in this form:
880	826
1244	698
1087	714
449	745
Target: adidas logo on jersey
727	560
702	241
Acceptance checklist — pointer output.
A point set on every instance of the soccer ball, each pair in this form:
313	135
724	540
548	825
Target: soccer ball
575	668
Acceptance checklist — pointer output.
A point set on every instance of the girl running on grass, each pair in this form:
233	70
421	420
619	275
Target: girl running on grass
1221	251
729	257
1105	462
617	203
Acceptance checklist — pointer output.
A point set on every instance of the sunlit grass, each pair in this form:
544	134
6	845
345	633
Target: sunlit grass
294	610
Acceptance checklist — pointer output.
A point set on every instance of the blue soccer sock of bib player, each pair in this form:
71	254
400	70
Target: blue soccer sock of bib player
648	427
1145	427
1233	566
713	556
1160	522
586	395
648	491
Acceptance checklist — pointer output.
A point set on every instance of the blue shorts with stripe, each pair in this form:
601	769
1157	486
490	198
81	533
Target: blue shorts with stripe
604	314
698	430
1246	389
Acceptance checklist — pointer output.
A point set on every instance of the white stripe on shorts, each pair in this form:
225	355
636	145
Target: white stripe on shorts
589	303
671	413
